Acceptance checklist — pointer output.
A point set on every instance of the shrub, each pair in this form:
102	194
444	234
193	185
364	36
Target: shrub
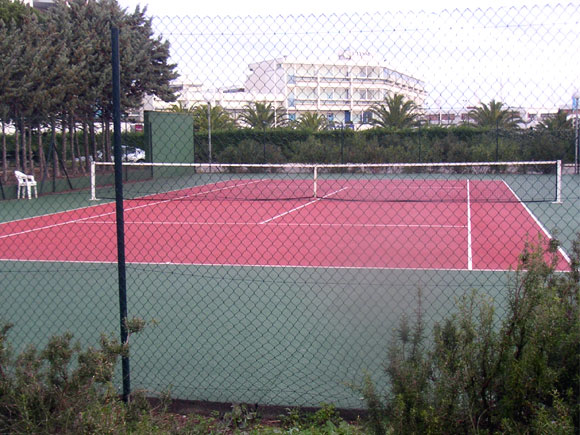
63	388
478	375
250	151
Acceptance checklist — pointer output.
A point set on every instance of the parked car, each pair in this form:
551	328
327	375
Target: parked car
82	159
130	154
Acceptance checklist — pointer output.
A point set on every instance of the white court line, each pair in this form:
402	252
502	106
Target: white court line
60	224
469	241
302	206
289	224
546	232
245	265
82	220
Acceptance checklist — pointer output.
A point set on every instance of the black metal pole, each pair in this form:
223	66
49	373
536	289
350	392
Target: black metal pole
497	140
118	153
342	126
53	154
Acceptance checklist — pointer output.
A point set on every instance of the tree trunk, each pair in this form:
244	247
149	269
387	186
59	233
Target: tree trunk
4	161
30	153
107	141
53	157
17	149
86	146
41	156
93	138
63	154
23	146
73	143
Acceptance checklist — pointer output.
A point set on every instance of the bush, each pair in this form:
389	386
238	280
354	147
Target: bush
63	388
250	151
477	376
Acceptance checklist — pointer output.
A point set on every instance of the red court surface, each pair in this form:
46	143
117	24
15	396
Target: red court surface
446	235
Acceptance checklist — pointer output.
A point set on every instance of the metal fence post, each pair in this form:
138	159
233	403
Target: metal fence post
119	207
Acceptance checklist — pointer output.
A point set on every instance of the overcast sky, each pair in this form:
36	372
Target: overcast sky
465	54
275	7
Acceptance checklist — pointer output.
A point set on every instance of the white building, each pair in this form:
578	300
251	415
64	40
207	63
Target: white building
531	117
342	89
38	4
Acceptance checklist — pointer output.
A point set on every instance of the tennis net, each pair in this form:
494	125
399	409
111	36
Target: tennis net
538	181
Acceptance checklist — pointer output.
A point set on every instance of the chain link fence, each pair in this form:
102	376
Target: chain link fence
300	195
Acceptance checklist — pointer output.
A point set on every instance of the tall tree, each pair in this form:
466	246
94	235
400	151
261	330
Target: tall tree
396	112
494	115
144	58
12	16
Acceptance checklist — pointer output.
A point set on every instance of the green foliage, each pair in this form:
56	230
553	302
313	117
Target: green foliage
396	112
240	417
263	116
55	69
219	118
482	375
14	12
312	150
380	145
48	390
311	121
559	122
494	115
326	420
250	151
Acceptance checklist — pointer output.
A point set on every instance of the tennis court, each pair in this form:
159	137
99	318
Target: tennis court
448	224
272	287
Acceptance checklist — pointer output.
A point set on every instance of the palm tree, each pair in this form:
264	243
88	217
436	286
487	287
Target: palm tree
557	122
312	121
263	116
219	118
494	115
180	108
395	112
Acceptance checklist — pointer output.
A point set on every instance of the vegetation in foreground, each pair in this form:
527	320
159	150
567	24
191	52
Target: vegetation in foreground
65	389
480	375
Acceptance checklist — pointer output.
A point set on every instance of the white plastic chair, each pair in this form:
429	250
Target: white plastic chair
25	182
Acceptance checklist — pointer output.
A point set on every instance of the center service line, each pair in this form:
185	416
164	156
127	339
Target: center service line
469	249
302	206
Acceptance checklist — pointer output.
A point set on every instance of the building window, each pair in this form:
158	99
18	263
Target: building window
292	116
367	117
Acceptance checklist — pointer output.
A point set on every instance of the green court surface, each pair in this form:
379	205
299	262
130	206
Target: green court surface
290	336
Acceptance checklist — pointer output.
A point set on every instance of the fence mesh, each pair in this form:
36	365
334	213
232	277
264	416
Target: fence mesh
273	239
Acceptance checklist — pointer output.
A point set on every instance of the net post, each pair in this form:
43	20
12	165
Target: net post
93	182
315	193
558	182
